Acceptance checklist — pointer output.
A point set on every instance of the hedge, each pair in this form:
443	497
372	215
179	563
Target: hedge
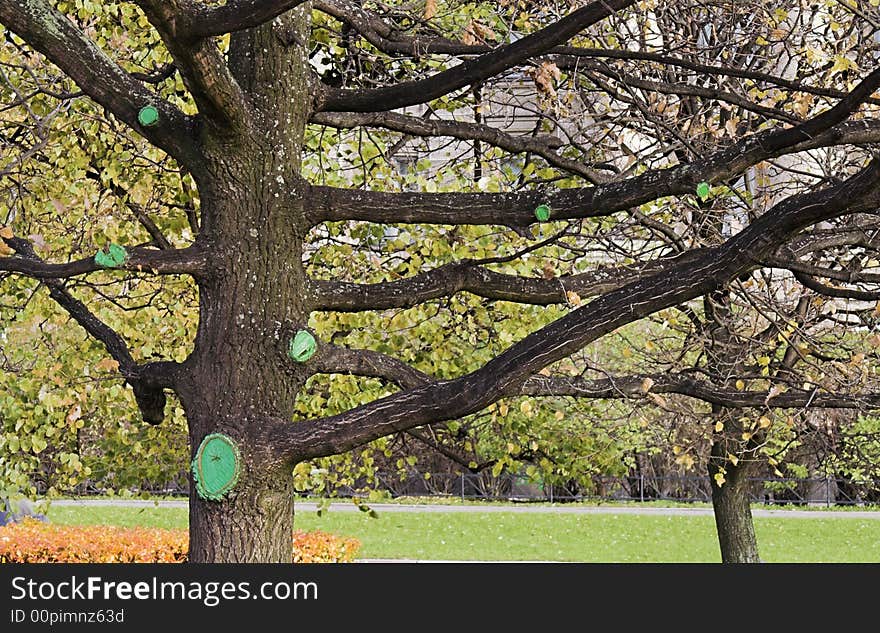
36	542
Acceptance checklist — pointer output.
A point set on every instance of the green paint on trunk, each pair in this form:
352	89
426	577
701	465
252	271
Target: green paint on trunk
302	347
703	190
114	257
216	466
542	213
148	116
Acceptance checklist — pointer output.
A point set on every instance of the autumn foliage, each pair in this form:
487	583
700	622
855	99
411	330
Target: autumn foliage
37	542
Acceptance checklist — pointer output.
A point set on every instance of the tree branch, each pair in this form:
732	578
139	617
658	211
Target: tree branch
56	37
542	146
505	374
516	209
185	261
472	71
683	384
470	276
147	381
202	66
235	15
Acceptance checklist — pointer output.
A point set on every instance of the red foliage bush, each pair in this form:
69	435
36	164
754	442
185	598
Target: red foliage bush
36	542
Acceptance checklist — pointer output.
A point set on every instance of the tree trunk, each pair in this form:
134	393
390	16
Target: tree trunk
733	512
253	300
254	525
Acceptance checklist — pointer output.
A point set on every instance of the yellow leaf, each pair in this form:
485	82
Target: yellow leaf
559	415
526	407
573	298
746	436
685	460
764	422
503	409
719	479
647	383
6	232
733	459
740	385
719	426
676	450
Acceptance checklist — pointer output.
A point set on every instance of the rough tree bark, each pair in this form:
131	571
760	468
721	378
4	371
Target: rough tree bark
244	149
252	293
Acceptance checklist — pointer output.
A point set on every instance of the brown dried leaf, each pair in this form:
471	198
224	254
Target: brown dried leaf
545	76
107	364
430	9
6	232
484	32
468	36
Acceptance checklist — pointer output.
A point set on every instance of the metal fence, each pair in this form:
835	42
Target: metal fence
811	491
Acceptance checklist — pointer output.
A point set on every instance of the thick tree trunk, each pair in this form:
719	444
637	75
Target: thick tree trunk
255	525
252	301
733	512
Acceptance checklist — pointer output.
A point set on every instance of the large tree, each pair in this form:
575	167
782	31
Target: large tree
672	110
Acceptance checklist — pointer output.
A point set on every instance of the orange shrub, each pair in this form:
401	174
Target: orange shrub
36	542
321	547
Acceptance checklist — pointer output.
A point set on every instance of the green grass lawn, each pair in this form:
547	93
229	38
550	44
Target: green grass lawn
556	537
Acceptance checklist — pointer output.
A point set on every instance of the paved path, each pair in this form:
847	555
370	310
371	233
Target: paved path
346	506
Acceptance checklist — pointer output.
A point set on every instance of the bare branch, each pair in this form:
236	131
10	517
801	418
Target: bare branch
470	276
148	381
359	362
200	62
472	71
542	146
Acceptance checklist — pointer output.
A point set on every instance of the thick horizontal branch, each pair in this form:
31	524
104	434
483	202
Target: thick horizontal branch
517	209
471	71
235	15
542	146
848	276
52	34
333	359
186	261
507	373
831	291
